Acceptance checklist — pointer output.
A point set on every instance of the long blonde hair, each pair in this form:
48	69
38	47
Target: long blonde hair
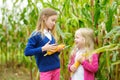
47	12
88	34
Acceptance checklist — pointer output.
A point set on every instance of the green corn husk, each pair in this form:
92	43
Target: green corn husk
106	48
110	47
99	50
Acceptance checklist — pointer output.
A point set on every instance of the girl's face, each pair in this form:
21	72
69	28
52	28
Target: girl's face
50	22
79	41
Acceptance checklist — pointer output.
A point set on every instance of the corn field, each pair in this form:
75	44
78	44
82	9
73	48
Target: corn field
18	19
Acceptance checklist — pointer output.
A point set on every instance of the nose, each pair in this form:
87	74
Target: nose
74	40
53	23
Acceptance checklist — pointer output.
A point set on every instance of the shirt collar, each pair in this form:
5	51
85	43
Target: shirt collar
46	31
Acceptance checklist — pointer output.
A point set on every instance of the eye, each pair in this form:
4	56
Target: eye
53	20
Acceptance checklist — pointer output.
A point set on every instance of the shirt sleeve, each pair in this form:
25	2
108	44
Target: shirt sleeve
93	66
31	48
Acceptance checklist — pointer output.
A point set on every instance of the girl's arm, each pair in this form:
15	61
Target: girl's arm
31	46
71	62
93	66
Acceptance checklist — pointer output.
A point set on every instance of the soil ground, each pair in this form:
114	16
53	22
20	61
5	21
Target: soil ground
9	73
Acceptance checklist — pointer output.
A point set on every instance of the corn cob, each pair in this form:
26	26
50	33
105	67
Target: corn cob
101	49
76	64
61	46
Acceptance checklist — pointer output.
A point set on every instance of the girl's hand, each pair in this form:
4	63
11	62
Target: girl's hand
49	47
73	68
60	49
89	59
81	58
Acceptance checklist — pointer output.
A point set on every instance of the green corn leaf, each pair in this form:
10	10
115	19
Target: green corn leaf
116	63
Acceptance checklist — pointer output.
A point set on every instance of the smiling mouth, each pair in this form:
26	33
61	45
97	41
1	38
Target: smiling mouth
51	28
76	42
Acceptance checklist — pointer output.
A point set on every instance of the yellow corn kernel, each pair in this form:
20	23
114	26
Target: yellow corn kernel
76	64
61	46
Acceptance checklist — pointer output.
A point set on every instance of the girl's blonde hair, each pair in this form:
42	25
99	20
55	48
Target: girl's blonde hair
88	34
47	12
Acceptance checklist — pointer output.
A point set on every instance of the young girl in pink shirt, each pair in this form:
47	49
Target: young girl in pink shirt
87	65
